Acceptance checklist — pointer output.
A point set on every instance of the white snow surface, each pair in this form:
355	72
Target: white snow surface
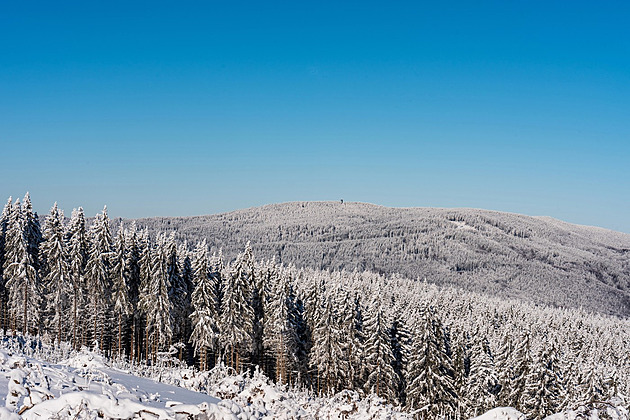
502	413
612	410
42	382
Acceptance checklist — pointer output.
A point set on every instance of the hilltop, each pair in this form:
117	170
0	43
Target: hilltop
537	259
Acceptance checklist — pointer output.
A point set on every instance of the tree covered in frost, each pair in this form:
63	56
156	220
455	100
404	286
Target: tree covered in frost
543	385
77	250
20	272
204	304
482	384
156	303
121	277
236	310
379	359
98	275
57	281
5	219
430	387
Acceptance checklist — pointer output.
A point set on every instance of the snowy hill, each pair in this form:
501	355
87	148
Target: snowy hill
539	259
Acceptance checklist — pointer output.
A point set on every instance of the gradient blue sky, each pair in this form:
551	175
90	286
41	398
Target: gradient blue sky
179	108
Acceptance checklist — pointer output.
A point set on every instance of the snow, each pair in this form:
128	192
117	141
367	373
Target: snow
502	413
86	385
612	410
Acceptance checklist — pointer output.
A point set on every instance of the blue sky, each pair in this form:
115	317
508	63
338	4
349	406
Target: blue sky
179	108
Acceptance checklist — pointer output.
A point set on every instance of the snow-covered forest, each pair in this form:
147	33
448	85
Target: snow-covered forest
437	352
539	259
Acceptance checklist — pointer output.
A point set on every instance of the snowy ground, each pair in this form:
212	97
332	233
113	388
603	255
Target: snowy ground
38	383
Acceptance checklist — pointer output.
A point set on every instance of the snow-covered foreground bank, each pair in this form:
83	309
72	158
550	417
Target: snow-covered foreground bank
37	382
41	382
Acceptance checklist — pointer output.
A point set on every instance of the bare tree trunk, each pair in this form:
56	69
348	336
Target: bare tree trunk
146	343
133	340
119	333
25	326
74	321
59	329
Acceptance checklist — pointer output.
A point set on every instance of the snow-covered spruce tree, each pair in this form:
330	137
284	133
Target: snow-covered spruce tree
120	285
186	278
205	329
32	230
23	282
280	339
352	336
236	310
516	383
263	278
430	389
400	339
4	225
544	394
57	282
503	363
77	250
217	274
132	263
145	297
461	368
268	273
312	289
326	355
177	290
379	359
482	384
98	275
156	303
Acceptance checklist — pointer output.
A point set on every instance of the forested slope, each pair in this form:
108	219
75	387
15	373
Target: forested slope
508	255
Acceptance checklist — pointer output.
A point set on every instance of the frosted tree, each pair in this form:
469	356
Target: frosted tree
280	332
120	284
326	353
23	282
77	249
400	339
32	230
543	388
4	226
157	304
379	359
217	275
515	385
236	310
58	278
205	329
503	363
177	290
264	277
133	253
145	297
98	274
482	384
352	337
430	386
184	256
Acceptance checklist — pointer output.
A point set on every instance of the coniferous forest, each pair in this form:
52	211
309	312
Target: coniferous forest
436	352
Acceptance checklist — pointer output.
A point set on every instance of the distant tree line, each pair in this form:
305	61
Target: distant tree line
440	353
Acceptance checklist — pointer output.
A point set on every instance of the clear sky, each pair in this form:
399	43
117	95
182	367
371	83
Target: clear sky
179	108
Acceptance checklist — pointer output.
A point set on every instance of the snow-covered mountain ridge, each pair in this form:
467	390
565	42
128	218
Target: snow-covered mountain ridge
539	259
